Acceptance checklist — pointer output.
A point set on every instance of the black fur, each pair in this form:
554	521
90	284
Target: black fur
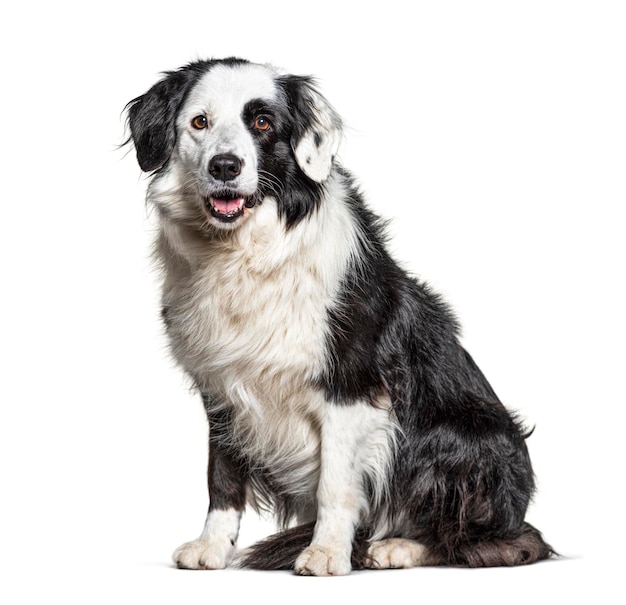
462	479
463	469
226	474
299	195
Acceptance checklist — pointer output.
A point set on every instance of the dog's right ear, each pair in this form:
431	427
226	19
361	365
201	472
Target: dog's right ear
152	117
317	128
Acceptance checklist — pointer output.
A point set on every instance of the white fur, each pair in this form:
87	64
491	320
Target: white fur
356	442
396	553
248	320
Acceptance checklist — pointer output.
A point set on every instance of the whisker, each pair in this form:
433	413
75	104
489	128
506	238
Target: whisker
268	180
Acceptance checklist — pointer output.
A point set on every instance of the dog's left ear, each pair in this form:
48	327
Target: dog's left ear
317	127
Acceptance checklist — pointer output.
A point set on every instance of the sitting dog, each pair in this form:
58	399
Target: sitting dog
336	390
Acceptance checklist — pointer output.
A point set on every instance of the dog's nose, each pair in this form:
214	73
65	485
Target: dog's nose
225	167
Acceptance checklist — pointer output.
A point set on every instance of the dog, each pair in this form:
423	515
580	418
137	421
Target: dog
336	390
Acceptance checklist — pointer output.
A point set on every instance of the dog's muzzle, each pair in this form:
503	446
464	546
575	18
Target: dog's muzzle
228	206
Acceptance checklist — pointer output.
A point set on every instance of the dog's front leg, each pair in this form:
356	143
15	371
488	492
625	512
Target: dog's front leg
341	498
215	547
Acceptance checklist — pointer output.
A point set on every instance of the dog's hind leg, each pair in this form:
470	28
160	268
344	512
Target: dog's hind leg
395	553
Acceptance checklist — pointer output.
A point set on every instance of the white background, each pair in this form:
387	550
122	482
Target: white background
492	133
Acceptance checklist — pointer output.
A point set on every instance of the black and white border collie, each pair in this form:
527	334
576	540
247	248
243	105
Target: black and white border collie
336	390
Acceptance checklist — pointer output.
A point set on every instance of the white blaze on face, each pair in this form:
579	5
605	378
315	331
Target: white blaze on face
221	96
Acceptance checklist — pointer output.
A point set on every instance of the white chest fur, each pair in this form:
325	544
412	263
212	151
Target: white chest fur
248	320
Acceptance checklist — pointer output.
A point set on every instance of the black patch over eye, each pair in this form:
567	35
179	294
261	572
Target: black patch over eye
200	122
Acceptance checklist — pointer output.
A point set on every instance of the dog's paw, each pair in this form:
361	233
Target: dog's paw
395	553
319	560
202	554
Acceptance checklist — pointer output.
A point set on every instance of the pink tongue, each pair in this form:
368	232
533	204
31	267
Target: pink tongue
227	206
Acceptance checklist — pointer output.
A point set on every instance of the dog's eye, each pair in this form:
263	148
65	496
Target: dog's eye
262	123
199	122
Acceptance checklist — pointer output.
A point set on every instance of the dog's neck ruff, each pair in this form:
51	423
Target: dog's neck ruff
276	284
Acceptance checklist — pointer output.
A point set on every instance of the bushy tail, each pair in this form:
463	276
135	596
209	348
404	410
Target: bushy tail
281	550
522	548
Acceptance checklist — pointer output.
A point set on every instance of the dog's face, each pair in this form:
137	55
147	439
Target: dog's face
225	135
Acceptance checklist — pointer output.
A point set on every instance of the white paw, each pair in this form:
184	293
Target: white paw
324	561
202	554
395	553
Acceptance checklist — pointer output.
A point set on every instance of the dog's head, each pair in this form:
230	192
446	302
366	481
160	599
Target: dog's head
221	136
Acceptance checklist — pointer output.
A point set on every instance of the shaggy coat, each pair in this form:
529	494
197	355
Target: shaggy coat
336	390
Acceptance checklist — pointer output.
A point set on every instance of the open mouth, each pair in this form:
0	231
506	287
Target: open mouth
228	207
